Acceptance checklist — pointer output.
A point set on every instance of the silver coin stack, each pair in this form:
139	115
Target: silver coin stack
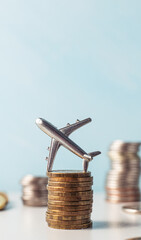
34	190
122	182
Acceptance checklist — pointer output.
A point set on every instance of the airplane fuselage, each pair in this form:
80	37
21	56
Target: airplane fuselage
53	132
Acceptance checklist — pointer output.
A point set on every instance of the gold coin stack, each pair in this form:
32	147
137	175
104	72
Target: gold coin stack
70	199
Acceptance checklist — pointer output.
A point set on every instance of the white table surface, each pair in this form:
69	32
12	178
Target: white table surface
28	223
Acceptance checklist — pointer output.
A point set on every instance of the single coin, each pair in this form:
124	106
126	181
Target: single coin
35	187
30	179
114	186
33	195
123	197
124	176
70	208
5	196
65	189
38	199
118	196
3	202
68	173
117	186
135	209
122	200
70	194
68	198
132	179
124	188
34	199
69	184
71	213
80	226
67	222
68	218
120	185
34	192
71	179
35	203
125	181
68	203
122	194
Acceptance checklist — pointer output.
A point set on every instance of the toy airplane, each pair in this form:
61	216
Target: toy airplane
60	137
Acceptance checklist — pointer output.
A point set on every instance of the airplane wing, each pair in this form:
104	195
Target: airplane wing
71	128
55	144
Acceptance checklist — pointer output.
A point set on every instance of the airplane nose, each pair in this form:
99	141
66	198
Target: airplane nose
39	121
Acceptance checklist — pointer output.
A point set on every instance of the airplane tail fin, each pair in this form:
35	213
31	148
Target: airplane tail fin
88	157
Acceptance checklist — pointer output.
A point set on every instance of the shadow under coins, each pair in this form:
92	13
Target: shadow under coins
9	206
104	225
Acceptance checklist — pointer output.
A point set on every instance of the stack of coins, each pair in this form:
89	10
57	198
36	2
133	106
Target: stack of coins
125	147
122	183
34	192
70	198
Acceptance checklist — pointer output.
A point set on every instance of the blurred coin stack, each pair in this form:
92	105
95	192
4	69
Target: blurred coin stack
34	192
70	198
122	183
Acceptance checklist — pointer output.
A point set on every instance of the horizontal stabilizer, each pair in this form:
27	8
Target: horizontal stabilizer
93	154
88	157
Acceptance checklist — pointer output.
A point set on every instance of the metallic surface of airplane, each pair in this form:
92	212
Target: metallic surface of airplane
60	137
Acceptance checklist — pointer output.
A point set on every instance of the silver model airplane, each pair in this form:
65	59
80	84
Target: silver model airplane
60	137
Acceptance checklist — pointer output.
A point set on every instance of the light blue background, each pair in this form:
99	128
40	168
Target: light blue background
63	60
